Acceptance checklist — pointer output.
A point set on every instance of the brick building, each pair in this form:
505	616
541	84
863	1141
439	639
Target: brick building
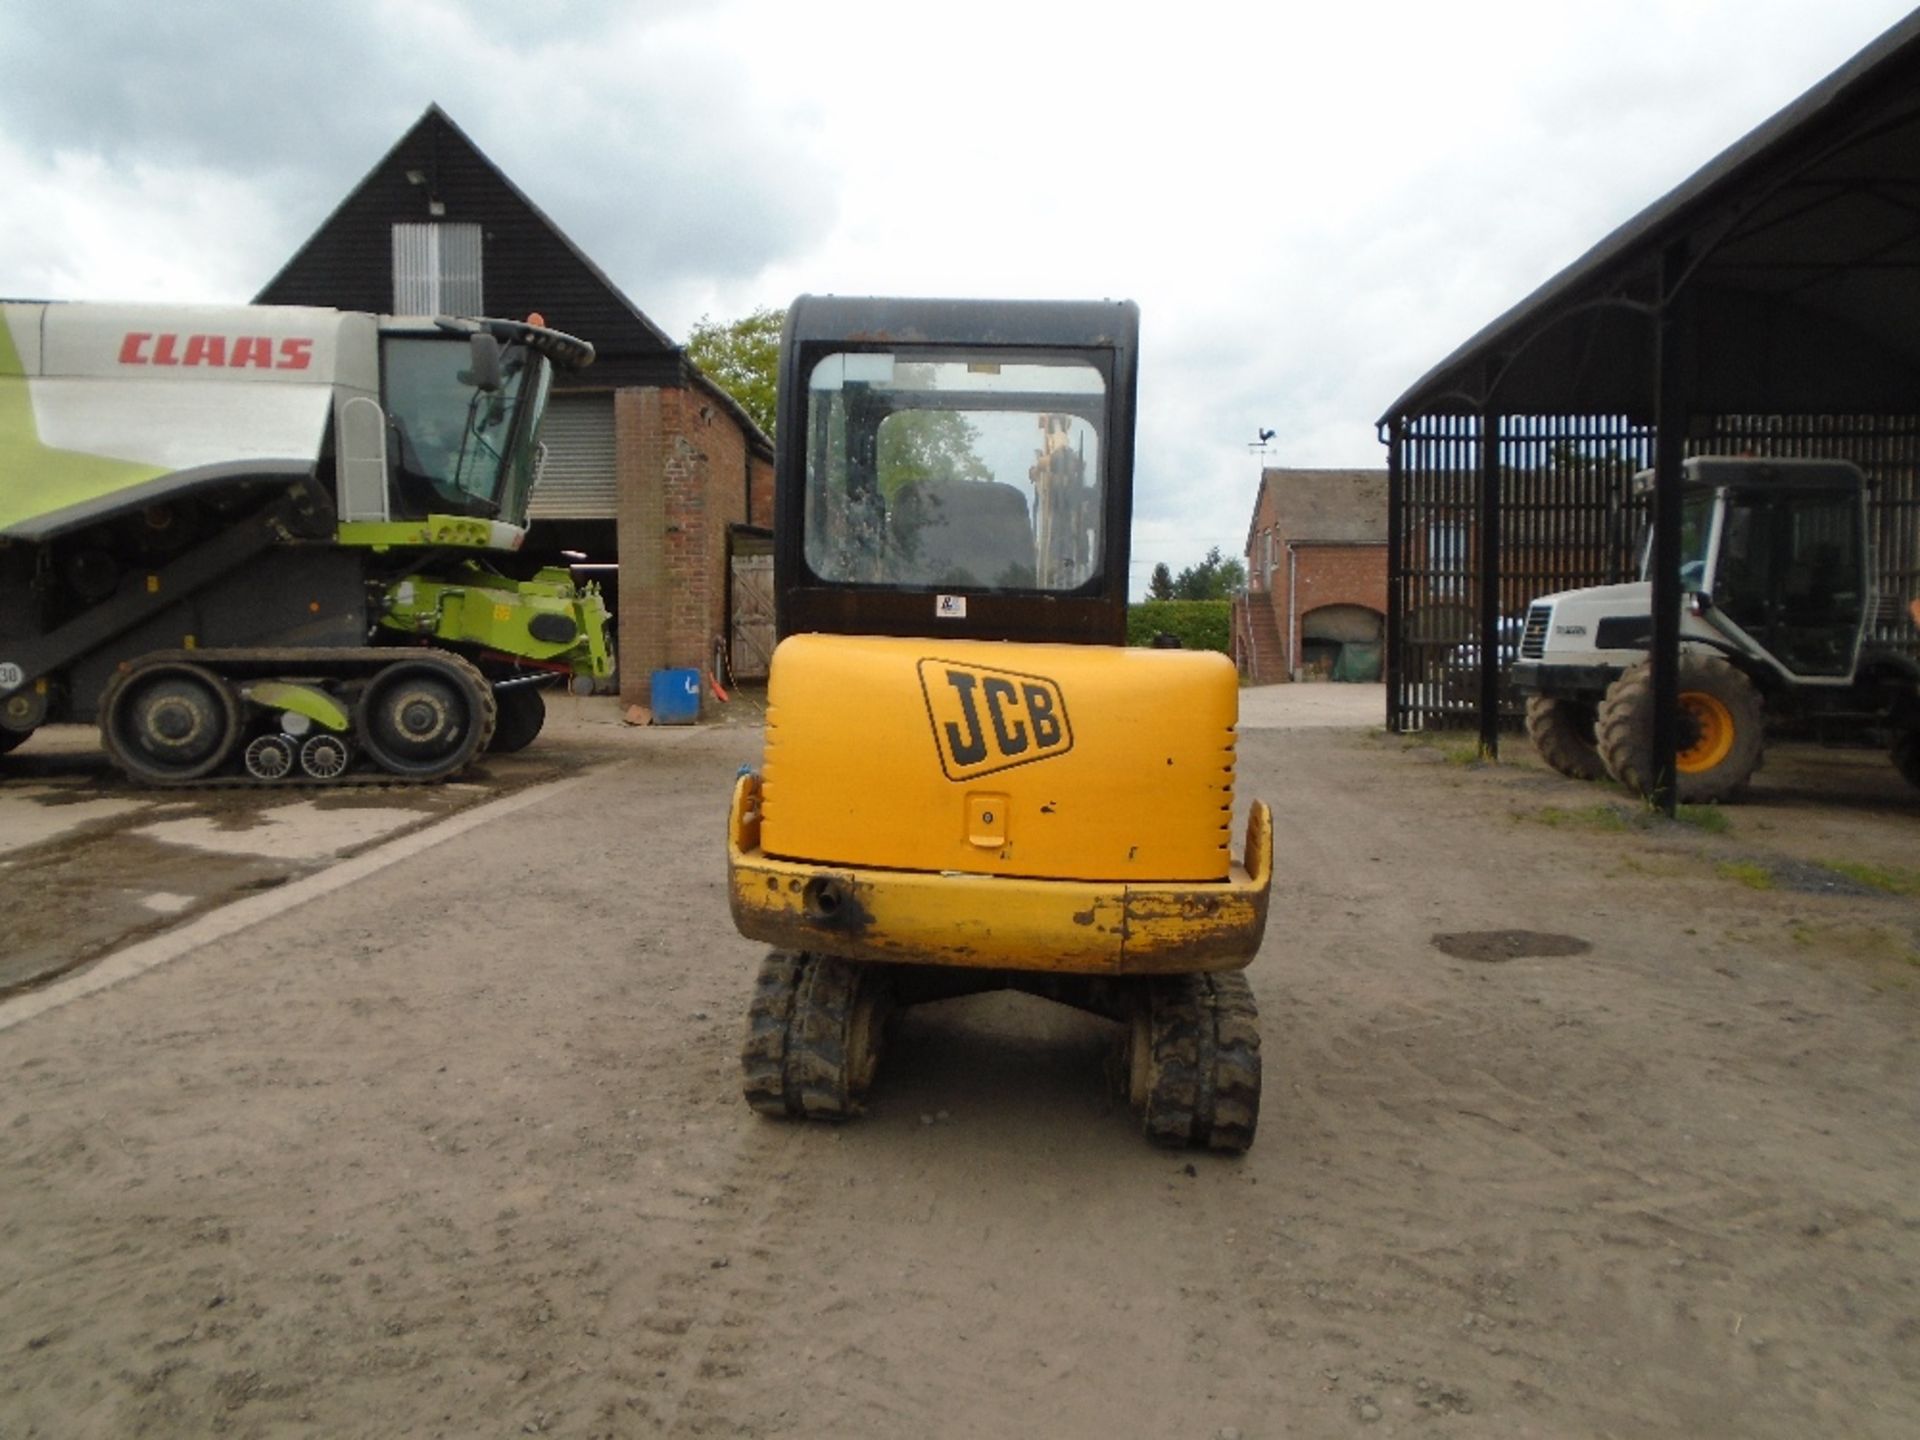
1316	601
653	473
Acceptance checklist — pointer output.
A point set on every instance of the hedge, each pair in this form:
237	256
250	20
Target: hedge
1199	624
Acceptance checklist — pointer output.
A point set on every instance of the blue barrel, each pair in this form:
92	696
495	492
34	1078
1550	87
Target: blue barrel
676	697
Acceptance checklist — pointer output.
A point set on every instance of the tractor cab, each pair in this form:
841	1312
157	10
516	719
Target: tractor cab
974	485
1778	551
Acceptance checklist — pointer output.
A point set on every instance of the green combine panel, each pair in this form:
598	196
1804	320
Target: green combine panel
274	544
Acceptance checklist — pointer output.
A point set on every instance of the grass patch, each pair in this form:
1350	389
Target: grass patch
1893	879
1449	746
1746	872
1710	818
1590	817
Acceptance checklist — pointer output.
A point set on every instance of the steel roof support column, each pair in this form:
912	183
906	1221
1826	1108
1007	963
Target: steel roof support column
1489	605
1671	399
1396	576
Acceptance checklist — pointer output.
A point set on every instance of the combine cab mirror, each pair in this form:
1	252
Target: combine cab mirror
483	363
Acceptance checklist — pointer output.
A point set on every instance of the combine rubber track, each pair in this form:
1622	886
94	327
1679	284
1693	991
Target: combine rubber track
208	682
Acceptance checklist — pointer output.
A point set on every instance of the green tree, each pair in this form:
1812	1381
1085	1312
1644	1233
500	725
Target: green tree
1160	584
1214	578
928	445
742	357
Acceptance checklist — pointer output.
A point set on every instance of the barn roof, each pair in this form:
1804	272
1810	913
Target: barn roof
1793	258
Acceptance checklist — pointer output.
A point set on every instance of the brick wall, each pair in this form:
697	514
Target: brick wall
762	494
1322	575
681	463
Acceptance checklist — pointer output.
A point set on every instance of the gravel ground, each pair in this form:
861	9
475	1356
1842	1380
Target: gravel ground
1576	1122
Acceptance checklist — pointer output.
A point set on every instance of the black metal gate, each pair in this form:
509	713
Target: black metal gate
1563	516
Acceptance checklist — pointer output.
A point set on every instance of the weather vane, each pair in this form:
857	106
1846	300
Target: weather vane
1259	446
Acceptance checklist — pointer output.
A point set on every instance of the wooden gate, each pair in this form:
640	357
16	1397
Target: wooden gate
750	651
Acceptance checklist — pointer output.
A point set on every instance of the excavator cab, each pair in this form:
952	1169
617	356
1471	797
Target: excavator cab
977	485
970	783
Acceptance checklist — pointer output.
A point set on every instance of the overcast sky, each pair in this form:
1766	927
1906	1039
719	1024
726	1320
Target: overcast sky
1312	203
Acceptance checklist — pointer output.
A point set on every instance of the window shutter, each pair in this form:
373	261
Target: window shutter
437	270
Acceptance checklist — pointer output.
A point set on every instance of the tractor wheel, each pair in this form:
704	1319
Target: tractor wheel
1906	755
1196	1061
425	717
1720	734
168	723
12	739
1562	732
814	1032
522	711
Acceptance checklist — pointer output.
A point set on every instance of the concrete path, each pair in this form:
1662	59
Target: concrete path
1309	706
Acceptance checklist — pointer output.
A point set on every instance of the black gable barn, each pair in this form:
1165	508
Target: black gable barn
1768	306
653	474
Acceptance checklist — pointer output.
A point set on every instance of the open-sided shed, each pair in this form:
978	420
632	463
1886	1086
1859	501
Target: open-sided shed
1768	305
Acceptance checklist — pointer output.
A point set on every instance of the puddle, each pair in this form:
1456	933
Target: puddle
1494	946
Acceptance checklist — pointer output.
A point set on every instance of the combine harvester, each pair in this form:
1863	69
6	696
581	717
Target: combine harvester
264	544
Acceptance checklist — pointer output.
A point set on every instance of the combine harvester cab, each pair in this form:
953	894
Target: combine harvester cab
273	544
969	782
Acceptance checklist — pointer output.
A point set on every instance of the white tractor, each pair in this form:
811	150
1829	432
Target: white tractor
1776	566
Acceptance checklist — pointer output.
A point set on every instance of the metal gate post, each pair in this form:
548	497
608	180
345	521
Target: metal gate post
1396	578
1670	425
1489	604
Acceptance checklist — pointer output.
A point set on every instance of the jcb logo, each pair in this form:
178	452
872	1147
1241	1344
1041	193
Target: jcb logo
988	720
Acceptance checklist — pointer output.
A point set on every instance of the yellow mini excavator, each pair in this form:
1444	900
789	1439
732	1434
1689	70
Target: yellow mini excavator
970	783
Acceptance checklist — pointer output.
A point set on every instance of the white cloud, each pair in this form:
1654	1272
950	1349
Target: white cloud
102	229
1312	204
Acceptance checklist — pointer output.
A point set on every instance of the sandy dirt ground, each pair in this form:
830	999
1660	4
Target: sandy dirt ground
458	1149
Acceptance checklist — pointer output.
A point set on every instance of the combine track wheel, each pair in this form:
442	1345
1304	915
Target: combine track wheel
270	757
324	757
425	717
169	723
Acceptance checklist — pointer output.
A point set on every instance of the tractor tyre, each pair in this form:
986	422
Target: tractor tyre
12	739
814	1033
1196	1062
522	713
1906	755
1720	738
1562	732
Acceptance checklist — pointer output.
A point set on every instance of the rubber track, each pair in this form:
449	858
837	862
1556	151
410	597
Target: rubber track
1561	739
763	1057
795	1061
1205	1034
329	663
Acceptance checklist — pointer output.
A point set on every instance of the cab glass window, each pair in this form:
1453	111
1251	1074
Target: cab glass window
980	472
